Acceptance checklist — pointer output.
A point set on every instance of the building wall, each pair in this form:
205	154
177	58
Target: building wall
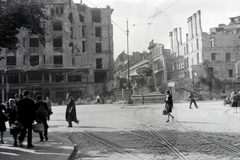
76	61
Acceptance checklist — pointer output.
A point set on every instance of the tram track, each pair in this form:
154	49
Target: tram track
229	148
160	137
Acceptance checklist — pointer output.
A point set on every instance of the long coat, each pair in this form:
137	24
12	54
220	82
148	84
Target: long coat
70	114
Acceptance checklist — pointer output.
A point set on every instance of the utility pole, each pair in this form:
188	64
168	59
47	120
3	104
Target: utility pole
193	79
128	75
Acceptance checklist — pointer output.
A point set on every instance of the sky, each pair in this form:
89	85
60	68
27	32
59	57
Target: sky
154	19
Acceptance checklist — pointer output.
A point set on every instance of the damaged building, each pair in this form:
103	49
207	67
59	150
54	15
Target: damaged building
220	47
77	56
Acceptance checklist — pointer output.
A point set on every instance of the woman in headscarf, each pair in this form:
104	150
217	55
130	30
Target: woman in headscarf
71	110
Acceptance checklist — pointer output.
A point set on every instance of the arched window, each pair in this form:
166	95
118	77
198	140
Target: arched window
57	26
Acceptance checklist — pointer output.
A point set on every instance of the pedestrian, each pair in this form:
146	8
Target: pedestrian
26	116
70	114
49	104
2	122
192	100
98	99
238	106
142	99
12	114
16	98
42	115
234	100
169	105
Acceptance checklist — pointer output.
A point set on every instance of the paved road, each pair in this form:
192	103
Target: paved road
107	132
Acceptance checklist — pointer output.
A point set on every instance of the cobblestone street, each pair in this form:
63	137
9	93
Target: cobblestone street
108	132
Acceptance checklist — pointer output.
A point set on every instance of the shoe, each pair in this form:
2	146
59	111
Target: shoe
46	138
2	142
69	126
167	121
41	140
15	144
30	146
190	108
77	121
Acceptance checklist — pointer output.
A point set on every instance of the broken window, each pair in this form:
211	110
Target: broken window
57	10
98	47
57	77
70	17
57	42
74	78
100	77
34	60
213	56
98	32
81	18
228	56
83	31
230	73
83	46
57	26
33	42
34	77
96	15
99	63
212	42
57	59
11	60
61	10
52	11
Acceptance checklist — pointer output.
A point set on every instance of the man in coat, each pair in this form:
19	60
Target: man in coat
26	116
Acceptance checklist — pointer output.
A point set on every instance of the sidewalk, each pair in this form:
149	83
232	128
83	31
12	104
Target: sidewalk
56	148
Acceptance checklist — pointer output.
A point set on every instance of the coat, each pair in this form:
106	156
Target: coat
71	114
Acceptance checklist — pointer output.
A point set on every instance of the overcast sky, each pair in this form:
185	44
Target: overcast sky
154	19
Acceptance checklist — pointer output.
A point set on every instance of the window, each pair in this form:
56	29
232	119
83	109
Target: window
34	60
57	10
212	42
57	26
96	15
11	60
61	10
83	46
198	58
98	32
81	18
52	11
99	63
187	49
58	59
228	56
83	31
57	77
213	56
197	43
33	42
98	47
70	17
57	42
74	78
34	77
230	73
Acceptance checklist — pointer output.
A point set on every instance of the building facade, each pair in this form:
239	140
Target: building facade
76	57
220	47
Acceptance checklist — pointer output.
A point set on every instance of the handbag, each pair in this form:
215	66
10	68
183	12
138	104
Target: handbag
164	112
38	127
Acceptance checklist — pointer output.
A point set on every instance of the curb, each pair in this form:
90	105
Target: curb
66	143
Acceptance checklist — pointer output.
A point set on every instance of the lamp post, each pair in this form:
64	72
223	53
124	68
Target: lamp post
128	74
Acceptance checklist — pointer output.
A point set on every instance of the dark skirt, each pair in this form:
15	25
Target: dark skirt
234	104
168	108
2	126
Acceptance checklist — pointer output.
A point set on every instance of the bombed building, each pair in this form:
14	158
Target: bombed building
76	57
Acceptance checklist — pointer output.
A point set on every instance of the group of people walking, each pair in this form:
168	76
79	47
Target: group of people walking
21	113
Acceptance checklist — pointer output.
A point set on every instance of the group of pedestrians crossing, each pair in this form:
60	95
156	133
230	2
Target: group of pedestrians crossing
22	112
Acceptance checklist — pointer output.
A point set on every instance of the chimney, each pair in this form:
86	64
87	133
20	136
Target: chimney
180	36
190	28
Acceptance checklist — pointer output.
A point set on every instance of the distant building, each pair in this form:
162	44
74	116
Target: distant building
148	69
77	56
220	47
